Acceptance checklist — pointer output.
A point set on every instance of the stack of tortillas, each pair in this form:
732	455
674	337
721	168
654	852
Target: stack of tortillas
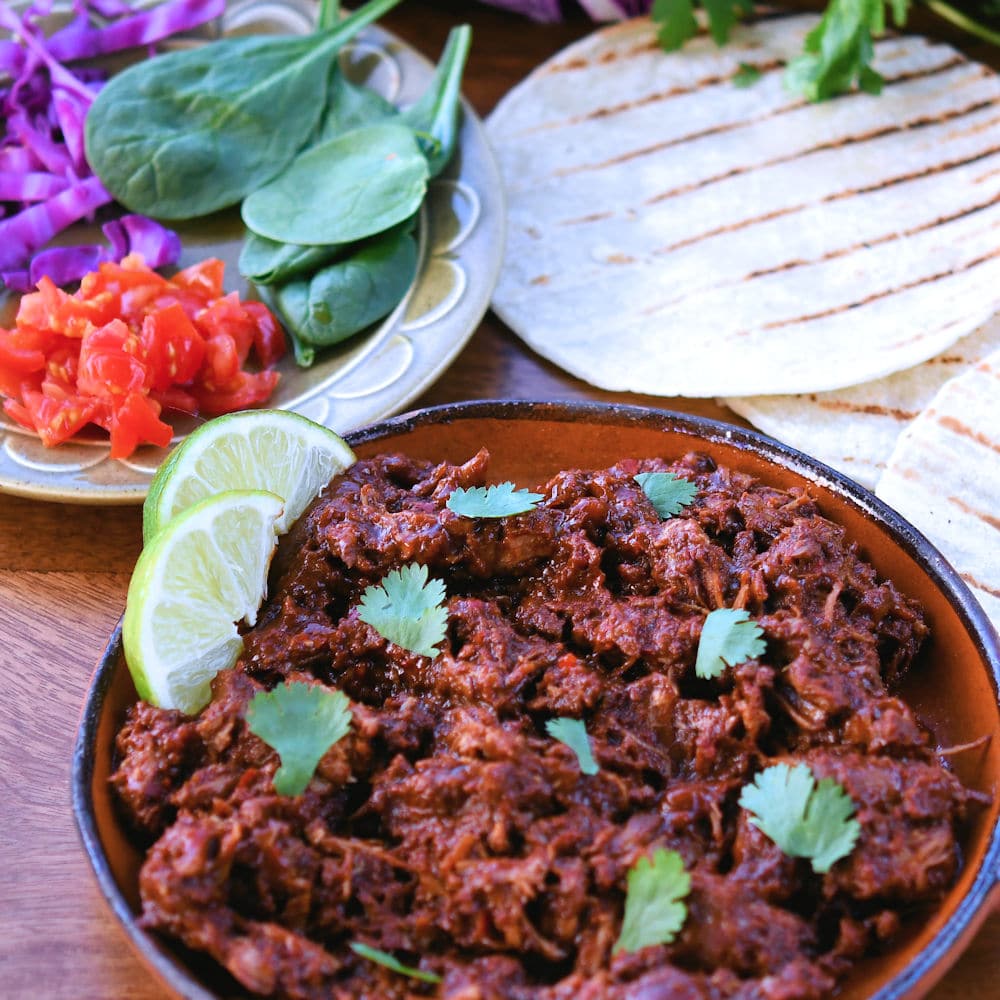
944	476
825	269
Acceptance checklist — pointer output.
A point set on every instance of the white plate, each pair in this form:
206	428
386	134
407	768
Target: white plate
374	374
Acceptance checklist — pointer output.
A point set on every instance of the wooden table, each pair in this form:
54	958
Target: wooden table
63	576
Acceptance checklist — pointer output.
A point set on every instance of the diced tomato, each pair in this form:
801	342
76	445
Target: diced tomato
19	412
52	309
226	316
253	388
55	420
109	362
251	325
13	384
175	398
125	276
269	340
130	343
172	347
204	277
137	421
222	363
17	356
133	287
63	365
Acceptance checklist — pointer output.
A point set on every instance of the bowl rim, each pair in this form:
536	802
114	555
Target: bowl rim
971	909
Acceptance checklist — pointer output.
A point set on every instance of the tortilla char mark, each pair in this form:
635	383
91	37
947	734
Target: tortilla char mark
884	294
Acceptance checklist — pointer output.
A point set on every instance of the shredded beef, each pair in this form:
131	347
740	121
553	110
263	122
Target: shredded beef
450	829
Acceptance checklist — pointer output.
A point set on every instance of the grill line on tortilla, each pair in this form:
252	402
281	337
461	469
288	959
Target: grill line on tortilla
944	477
671	234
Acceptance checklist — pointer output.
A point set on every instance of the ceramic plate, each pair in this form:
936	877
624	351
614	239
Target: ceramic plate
370	376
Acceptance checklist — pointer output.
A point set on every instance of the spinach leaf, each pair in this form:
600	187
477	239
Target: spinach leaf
268	262
191	132
435	117
350	106
329	14
358	184
348	295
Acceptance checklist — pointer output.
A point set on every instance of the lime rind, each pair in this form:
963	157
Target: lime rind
275	450
206	571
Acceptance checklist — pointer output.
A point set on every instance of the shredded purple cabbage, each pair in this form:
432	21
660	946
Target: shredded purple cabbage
599	10
17	185
158	246
46	184
615	10
537	10
81	40
22	235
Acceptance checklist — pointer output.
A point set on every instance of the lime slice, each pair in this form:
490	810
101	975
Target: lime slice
206	571
272	450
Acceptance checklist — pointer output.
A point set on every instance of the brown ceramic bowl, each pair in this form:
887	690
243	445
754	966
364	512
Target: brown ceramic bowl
953	686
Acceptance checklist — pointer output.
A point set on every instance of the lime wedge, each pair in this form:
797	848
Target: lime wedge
203	573
272	450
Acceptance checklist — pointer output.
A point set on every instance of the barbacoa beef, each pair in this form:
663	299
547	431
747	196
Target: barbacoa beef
448	828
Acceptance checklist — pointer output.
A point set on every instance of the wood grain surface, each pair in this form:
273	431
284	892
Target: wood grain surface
63	577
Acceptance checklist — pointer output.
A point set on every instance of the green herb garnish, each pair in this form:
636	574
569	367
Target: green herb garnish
573	733
654	912
804	819
838	52
840	49
676	22
668	493
407	609
301	721
501	500
391	962
747	76
728	637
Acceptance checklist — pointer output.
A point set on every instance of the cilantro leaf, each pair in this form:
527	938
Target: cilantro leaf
654	912
728	637
407	609
501	500
573	733
723	14
804	819
666	492
391	962
301	721
676	22
840	49
747	76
